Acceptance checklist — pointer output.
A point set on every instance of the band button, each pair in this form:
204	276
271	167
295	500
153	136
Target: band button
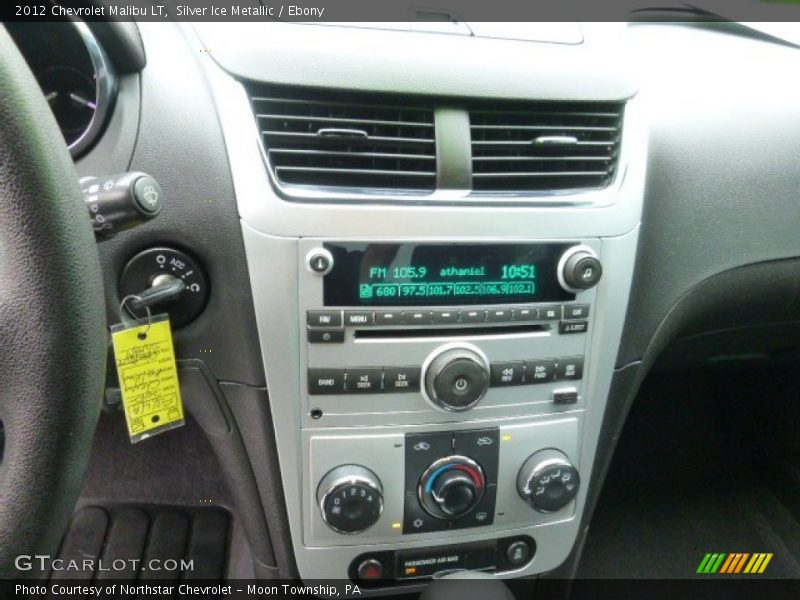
326	381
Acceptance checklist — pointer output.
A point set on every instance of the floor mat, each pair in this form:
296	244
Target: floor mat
686	481
145	543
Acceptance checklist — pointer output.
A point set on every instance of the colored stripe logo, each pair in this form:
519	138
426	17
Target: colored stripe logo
734	563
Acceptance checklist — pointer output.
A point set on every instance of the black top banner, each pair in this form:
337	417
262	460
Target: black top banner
402	11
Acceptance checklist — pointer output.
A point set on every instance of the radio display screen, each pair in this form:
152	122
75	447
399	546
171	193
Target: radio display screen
422	274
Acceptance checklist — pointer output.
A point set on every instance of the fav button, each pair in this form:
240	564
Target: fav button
324	318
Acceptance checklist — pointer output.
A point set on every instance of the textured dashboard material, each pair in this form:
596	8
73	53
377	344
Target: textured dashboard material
180	144
723	180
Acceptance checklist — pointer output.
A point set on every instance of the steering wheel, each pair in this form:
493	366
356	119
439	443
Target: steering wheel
52	321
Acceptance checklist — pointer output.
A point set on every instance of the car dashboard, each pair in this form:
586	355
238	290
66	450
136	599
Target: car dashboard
436	267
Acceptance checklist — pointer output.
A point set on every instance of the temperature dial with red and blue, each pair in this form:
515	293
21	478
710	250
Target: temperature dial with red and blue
451	487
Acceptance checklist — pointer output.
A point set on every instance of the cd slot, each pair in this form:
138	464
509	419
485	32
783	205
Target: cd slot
446	332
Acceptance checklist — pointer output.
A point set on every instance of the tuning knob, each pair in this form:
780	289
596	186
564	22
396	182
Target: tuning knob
350	498
451	487
579	269
456	377
548	481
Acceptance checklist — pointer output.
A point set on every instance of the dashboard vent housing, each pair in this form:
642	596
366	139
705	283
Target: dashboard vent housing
544	146
340	140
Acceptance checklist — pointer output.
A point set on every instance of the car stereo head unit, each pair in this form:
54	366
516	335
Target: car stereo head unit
419	274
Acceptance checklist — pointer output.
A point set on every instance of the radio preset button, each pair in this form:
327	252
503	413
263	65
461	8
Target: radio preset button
573	326
576	311
569	368
355	318
326	336
364	380
417	317
387	317
325	381
525	314
324	318
539	371
498	315
401	379
507	373
550	312
445	316
473	316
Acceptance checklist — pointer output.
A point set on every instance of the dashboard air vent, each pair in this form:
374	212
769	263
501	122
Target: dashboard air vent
343	140
546	146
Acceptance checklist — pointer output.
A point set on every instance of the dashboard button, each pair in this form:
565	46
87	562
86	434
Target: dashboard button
364	380
401	379
417	317
518	553
445	316
550	312
569	368
507	373
319	261
498	315
355	318
525	314
539	371
326	381
473	316
387	317
325	318
370	569
565	396
482	446
576	311
573	326
326	336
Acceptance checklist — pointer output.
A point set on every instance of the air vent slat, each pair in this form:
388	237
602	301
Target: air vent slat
351	141
544	146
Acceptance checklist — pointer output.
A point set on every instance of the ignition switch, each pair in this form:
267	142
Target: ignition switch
158	269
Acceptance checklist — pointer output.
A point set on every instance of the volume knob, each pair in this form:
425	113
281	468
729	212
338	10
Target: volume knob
350	498
579	269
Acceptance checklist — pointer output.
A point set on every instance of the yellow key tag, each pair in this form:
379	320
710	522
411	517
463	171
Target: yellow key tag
148	376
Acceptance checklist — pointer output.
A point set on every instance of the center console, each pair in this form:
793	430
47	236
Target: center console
438	363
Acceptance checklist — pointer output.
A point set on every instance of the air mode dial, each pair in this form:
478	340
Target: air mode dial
350	498
548	481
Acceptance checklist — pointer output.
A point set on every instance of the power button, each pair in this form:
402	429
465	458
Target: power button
319	261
